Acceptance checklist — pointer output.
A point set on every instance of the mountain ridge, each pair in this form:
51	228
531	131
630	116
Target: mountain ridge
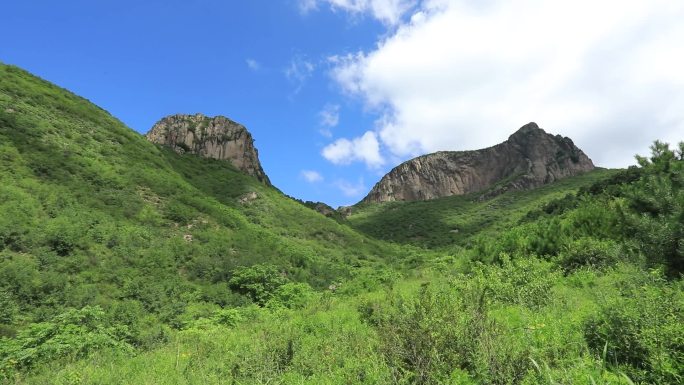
529	158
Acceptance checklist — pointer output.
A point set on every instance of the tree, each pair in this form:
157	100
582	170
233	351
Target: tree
259	282
657	201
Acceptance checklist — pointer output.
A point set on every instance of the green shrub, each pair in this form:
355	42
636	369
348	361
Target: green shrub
227	317
589	252
642	332
525	281
8	307
293	295
423	338
179	212
71	335
445	333
64	234
259	282
656	200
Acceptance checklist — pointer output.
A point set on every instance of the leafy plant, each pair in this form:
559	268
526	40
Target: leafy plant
71	335
259	282
641	331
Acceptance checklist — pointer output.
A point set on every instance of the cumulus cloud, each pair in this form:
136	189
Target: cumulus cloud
463	75
365	148
389	12
311	176
351	189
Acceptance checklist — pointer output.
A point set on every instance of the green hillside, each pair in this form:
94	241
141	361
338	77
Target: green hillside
455	220
93	214
122	262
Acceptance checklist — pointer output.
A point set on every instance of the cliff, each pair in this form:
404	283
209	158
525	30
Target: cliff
217	137
529	158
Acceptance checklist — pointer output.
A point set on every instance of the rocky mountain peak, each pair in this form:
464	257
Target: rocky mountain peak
526	132
210	137
529	158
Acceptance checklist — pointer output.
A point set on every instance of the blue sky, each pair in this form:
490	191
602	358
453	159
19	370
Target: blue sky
262	63
336	92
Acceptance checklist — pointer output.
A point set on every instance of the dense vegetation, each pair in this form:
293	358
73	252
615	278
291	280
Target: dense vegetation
456	220
124	263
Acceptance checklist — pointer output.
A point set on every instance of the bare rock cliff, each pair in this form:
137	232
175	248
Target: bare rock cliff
529	158
217	137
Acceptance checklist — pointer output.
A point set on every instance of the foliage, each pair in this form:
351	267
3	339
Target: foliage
94	214
292	295
259	282
641	330
461	219
589	252
73	334
123	262
8	308
657	203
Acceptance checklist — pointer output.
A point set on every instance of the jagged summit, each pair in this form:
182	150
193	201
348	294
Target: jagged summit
529	158
211	137
530	127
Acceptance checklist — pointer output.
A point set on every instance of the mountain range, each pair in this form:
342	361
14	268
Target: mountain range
528	159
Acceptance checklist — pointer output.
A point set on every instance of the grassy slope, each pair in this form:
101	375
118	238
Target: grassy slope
455	220
91	211
92	214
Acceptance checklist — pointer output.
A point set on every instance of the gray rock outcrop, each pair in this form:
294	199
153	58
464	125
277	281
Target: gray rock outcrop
528	159
217	138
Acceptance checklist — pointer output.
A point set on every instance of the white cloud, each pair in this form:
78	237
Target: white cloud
311	176
329	116
307	5
387	11
299	71
464	75
253	64
326	132
365	148
351	189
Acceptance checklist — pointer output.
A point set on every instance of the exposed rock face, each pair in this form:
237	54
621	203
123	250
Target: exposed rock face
324	209
248	197
218	138
529	158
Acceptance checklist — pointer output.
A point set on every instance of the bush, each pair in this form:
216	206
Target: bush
656	218
73	334
8	308
589	252
292	295
227	317
63	235
641	332
179	213
422	338
446	334
524	281
259	282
